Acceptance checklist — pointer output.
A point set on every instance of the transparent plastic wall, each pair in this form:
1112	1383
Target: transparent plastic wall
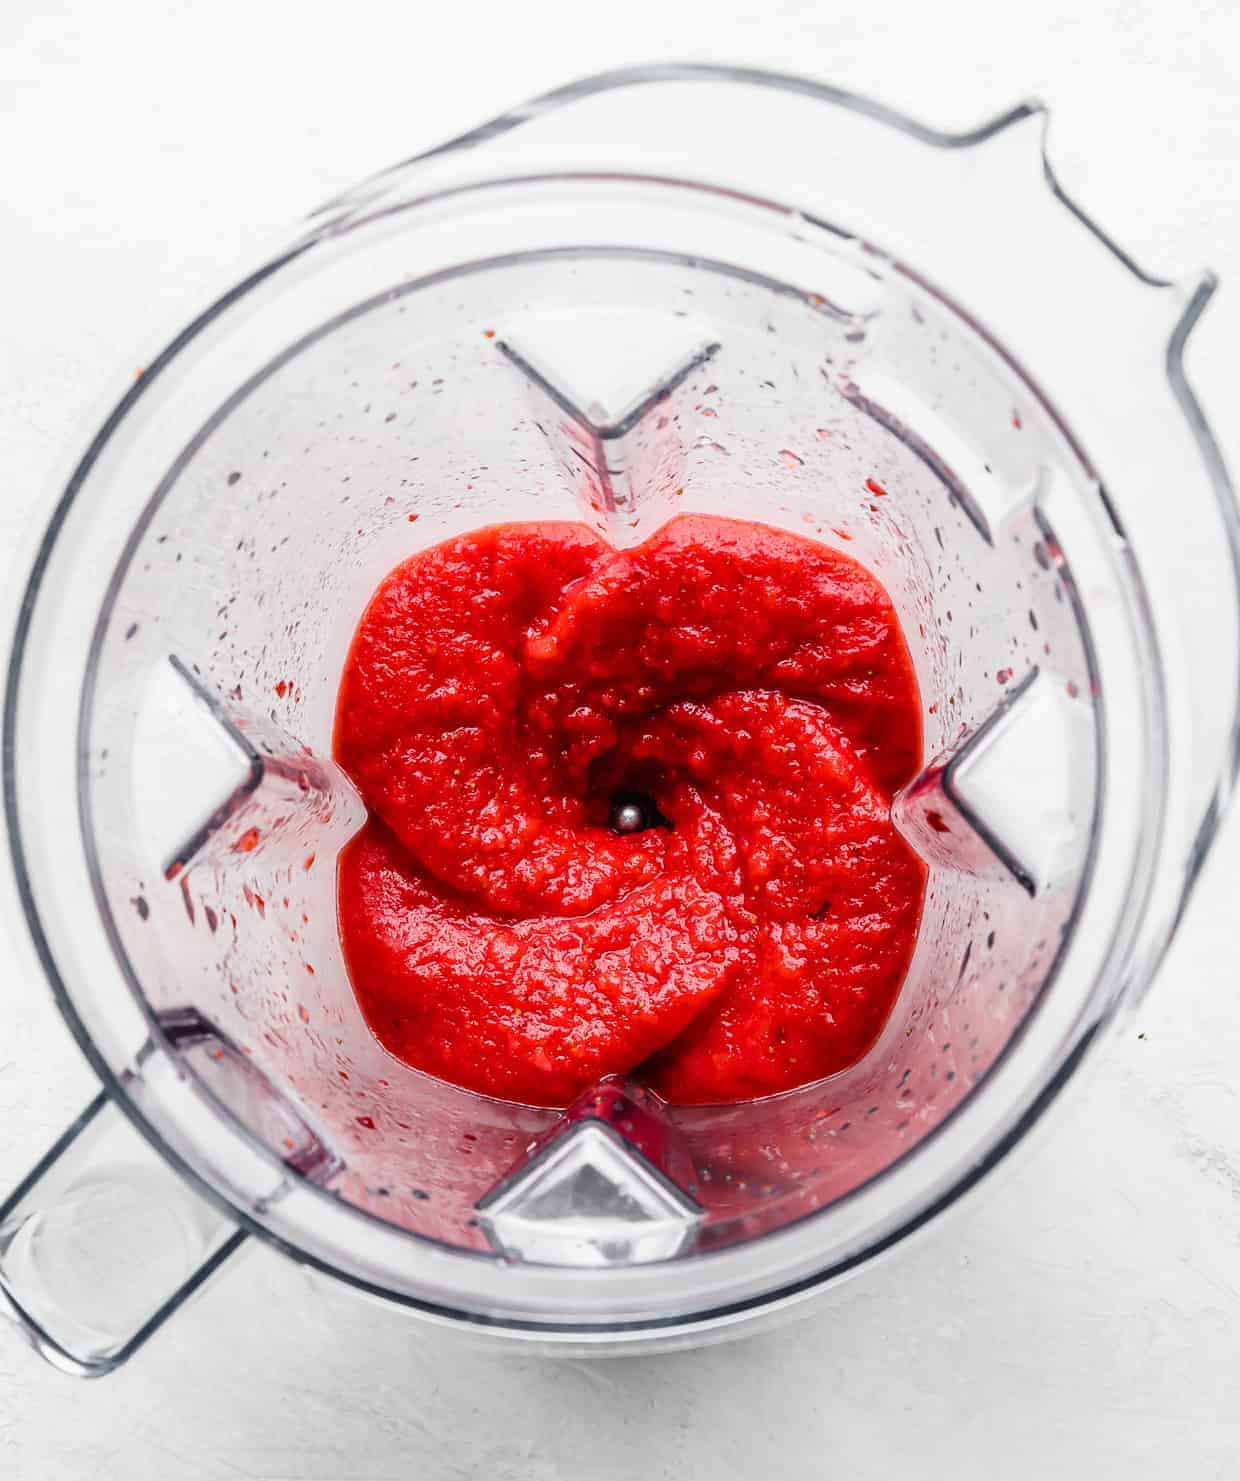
618	387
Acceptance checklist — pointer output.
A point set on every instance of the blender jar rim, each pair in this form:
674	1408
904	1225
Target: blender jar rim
870	1244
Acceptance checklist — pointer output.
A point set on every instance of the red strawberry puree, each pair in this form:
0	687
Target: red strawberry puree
508	690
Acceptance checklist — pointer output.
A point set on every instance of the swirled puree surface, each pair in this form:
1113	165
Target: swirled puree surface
517	698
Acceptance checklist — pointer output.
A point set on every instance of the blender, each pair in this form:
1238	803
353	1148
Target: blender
663	290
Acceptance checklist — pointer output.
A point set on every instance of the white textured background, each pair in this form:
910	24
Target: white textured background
1079	1317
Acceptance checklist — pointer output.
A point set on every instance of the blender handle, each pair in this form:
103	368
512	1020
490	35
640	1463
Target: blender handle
101	1243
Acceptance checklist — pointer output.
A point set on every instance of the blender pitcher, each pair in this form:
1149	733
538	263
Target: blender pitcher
665	290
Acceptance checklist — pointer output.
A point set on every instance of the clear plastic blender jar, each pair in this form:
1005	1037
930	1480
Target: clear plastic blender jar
666	290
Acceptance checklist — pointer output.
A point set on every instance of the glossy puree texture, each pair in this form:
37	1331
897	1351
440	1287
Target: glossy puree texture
506	687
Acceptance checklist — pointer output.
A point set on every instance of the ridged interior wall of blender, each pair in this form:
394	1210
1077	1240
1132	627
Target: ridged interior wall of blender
887	430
